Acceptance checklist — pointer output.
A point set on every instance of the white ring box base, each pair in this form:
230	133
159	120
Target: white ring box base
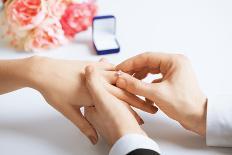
104	35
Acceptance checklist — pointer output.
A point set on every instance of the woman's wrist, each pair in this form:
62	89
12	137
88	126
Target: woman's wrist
15	74
34	71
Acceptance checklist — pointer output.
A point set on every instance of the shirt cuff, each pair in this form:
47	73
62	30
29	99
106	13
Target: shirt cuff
131	142
219	120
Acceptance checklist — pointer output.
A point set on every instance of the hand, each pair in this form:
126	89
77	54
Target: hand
112	117
62	83
177	93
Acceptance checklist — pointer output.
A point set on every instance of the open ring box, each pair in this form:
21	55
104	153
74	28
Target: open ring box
104	35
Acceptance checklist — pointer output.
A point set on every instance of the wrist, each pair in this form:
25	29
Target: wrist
34	71
22	73
14	75
200	120
196	122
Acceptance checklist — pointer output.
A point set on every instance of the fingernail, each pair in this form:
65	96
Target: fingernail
154	109
93	140
141	121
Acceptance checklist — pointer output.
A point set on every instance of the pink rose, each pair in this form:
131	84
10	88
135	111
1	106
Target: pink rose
57	7
78	17
46	36
34	25
26	14
9	35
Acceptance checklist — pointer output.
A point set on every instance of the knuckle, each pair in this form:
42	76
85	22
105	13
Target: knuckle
89	68
180	59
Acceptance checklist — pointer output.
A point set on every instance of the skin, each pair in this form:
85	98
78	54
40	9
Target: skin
113	118
177	93
62	84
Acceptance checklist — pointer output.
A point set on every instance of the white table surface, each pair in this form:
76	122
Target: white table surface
201	29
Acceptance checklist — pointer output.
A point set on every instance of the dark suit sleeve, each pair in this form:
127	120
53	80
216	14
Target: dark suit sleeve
143	152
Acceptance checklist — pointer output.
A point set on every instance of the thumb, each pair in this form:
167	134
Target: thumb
135	86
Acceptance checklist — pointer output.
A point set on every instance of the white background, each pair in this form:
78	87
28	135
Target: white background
200	29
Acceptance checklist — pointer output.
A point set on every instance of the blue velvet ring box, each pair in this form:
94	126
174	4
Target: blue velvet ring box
104	35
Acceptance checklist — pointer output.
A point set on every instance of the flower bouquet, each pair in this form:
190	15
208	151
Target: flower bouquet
33	25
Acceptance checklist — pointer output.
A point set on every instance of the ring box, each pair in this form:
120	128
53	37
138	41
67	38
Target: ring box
104	35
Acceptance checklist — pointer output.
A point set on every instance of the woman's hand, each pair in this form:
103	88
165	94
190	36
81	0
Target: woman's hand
177	93
113	118
62	83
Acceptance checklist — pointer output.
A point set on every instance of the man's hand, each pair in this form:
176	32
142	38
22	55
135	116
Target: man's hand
177	93
113	118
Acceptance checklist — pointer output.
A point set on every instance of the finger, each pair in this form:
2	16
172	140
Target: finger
91	75
131	72
131	99
91	114
95	86
145	71
110	76
136	87
136	115
75	116
149	59
149	101
157	80
141	74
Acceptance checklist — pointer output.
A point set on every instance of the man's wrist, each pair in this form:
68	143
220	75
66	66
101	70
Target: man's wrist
200	125
196	122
